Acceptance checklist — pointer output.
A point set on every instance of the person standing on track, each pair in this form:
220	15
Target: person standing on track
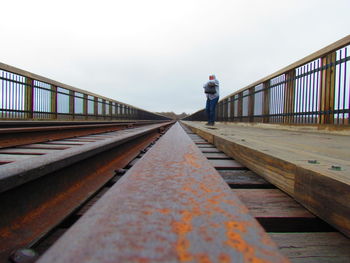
211	89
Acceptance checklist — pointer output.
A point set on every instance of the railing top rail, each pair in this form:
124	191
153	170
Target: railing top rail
318	54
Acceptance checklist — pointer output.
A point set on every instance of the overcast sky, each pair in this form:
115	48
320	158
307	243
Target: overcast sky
157	54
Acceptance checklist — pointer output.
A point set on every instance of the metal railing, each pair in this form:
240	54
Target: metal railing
24	95
314	90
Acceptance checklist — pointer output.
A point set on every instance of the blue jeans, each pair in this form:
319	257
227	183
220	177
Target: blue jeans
210	109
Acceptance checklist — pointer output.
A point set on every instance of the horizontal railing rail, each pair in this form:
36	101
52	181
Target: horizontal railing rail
24	95
313	90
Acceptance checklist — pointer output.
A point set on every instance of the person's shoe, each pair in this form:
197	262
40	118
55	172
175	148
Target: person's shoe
208	123
211	124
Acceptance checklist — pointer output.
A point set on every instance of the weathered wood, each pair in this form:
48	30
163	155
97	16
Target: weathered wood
44	146
215	155
313	247
271	203
285	159
210	150
244	179
226	164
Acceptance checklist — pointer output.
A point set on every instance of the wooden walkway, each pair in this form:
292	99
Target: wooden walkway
311	166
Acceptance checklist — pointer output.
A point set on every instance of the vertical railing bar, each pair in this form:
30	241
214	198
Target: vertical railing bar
10	95
3	94
282	98
303	95
314	91
16	97
308	90
297	95
339	86
344	92
318	93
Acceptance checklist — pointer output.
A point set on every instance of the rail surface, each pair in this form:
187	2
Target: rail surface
171	206
24	95
313	90
46	181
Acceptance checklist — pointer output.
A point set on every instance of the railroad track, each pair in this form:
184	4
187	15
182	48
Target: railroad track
300	235
42	183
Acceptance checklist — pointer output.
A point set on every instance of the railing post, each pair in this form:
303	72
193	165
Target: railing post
226	109
266	102
104	108
96	107
240	106
85	106
327	93
289	97
29	98
71	103
53	102
251	104
110	108
232	108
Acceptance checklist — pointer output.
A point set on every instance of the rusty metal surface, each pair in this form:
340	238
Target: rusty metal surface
25	135
172	206
29	210
17	173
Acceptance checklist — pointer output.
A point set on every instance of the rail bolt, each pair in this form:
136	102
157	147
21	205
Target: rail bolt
23	255
120	172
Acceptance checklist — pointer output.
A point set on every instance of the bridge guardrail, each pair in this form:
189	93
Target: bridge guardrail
24	95
313	90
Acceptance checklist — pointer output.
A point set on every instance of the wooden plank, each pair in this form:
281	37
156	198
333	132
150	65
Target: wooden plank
43	146
64	142
226	164
313	247
215	155
244	178
210	150
205	146
271	203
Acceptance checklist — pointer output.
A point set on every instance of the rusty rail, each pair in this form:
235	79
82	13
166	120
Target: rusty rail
172	206
39	192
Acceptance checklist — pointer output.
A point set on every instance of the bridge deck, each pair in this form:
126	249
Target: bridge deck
310	165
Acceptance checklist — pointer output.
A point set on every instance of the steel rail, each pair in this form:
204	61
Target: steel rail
10	137
171	206
38	193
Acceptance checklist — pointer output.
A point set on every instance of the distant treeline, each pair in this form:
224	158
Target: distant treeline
173	115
